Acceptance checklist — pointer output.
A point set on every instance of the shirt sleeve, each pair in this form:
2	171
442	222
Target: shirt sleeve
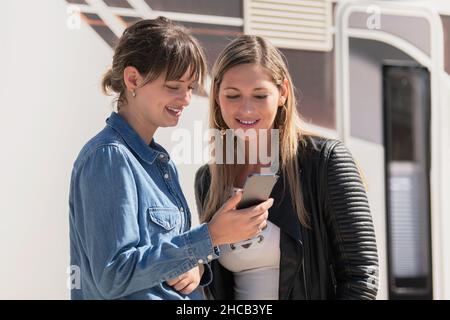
207	277
106	217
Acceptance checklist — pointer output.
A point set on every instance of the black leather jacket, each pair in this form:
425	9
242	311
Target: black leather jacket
334	259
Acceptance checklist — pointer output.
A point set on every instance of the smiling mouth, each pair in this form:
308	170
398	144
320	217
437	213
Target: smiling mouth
247	122
176	112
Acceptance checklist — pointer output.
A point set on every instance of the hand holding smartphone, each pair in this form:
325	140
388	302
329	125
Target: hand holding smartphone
257	188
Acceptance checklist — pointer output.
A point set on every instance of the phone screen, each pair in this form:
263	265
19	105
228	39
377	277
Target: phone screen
257	189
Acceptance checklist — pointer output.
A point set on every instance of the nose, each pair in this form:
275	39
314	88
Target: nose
247	106
185	97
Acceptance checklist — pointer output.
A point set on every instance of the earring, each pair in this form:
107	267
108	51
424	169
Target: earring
133	93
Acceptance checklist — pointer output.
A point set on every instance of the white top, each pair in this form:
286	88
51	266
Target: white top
255	264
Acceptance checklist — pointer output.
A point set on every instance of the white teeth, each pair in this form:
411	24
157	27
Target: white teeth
247	122
174	109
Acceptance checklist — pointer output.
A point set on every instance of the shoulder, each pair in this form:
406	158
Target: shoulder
317	147
202	184
326	155
106	146
332	158
202	176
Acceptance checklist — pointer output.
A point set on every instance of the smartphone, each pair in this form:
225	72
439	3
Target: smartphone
257	189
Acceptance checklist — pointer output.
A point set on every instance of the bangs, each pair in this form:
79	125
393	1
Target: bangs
186	56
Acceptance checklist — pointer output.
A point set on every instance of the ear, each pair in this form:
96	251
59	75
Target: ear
284	92
132	78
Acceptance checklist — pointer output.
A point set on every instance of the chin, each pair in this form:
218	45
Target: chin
248	137
169	124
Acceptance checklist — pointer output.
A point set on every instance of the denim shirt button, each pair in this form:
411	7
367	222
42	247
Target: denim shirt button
209	257
182	209
161	156
166	176
200	261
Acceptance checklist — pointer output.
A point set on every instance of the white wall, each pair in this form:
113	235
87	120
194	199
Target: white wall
51	104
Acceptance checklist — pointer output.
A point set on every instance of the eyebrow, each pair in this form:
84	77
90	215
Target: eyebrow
192	82
233	88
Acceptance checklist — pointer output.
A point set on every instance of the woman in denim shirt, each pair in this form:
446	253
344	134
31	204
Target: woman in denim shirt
130	225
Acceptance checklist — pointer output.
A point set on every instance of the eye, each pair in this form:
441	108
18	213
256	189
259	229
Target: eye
172	87
232	96
261	96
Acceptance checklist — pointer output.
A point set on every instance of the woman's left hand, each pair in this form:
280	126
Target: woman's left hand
188	281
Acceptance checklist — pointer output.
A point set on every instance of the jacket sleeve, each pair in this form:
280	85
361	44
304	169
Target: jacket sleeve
350	228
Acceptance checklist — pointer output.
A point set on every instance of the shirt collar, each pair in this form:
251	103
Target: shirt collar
148	153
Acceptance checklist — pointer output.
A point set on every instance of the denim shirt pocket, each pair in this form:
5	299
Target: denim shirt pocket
167	218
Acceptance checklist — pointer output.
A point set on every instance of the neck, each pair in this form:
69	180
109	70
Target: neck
250	167
249	152
144	129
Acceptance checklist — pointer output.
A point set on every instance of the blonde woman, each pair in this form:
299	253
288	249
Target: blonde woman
319	242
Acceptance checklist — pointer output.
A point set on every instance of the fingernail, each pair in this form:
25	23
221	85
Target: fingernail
237	190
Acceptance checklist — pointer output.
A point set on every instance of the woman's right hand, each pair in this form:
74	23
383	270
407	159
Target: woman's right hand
229	225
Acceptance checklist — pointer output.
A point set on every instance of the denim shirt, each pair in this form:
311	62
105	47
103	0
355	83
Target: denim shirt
130	225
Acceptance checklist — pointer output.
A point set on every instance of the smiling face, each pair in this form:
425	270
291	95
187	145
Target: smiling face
158	103
249	98
162	102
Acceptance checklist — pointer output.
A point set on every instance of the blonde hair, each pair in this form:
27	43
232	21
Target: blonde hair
248	49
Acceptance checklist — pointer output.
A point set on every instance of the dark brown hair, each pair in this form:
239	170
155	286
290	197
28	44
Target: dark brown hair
154	47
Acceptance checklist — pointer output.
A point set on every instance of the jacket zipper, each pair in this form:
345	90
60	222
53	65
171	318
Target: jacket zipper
303	256
291	285
304	280
303	270
333	279
304	267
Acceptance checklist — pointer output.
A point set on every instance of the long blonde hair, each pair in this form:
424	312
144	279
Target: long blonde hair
248	49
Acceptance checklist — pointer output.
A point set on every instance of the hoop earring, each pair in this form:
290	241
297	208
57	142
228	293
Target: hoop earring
133	93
